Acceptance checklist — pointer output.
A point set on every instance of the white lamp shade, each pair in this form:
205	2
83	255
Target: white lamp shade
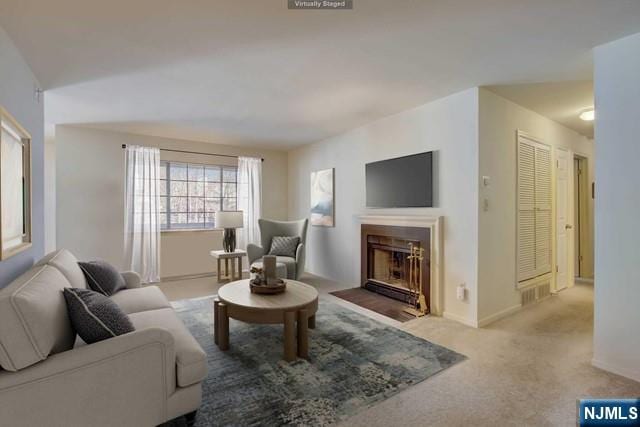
229	219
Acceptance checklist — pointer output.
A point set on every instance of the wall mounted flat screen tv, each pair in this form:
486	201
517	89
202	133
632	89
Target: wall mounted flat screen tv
404	182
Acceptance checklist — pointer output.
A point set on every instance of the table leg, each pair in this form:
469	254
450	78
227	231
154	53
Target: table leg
312	322
233	269
289	336
223	331
226	268
303	334
219	271
240	268
216	320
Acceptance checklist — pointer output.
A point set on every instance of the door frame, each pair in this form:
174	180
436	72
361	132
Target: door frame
569	267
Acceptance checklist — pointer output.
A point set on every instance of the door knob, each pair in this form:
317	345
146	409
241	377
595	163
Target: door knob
568	227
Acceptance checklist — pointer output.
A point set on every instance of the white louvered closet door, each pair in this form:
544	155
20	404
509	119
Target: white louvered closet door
534	209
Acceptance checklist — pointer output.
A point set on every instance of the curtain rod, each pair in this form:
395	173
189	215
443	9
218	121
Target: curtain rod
195	152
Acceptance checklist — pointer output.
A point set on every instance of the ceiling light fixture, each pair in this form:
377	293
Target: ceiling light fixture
588	115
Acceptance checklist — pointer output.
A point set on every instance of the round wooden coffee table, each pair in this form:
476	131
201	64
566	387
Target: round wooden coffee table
297	304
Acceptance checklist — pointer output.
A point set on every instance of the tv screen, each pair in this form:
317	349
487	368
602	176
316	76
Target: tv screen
405	182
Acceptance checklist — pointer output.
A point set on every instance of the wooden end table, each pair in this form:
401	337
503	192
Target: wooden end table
295	308
229	256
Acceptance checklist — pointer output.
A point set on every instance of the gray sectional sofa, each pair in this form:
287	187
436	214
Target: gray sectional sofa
50	377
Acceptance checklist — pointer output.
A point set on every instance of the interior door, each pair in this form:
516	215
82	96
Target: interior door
576	216
562	219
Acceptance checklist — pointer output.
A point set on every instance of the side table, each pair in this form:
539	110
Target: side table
229	275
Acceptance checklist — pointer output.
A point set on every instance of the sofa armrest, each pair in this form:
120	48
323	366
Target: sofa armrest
300	258
125	380
254	252
132	279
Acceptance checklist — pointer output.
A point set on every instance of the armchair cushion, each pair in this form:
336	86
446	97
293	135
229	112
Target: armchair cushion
289	263
94	316
284	245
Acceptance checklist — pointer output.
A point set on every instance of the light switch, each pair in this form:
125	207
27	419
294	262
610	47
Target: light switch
486	180
485	205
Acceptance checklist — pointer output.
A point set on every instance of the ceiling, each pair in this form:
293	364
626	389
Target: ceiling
253	72
562	102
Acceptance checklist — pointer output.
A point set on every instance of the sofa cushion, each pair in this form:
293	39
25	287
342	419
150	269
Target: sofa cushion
191	361
94	316
102	277
140	299
33	318
64	261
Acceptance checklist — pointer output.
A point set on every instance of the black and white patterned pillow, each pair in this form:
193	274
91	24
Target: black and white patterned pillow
284	246
94	316
103	277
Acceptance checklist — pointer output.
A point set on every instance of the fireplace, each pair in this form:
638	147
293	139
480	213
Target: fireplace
387	266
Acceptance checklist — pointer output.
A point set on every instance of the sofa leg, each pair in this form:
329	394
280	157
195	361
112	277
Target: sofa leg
191	418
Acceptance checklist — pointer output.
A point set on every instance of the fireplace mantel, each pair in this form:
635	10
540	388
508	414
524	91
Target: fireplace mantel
435	223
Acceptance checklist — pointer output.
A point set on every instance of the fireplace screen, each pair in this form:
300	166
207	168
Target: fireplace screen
388	260
395	262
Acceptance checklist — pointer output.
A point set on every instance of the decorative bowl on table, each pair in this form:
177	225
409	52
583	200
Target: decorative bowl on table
261	285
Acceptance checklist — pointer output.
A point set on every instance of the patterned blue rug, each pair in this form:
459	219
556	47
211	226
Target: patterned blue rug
354	362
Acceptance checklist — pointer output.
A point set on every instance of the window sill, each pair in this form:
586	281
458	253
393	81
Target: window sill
191	230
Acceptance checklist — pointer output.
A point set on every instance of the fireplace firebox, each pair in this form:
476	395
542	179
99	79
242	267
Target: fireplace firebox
386	264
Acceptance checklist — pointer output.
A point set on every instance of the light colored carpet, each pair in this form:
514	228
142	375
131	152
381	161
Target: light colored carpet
527	369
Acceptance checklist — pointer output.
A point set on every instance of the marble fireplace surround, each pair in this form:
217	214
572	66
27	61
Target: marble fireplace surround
435	224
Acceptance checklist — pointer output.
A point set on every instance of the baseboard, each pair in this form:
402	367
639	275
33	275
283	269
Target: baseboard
622	371
194	276
187	277
460	319
499	315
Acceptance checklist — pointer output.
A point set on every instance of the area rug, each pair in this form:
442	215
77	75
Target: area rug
354	362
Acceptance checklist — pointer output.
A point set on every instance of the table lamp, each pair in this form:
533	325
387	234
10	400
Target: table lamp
229	220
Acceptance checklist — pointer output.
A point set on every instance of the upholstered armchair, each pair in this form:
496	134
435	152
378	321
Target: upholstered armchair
269	229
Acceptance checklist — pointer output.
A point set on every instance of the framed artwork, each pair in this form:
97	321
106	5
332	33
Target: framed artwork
15	186
322	198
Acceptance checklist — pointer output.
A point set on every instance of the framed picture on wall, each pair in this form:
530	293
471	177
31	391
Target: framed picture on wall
15	186
322	198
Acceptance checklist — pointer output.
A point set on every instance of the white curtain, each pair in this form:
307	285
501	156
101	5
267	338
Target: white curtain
249	199
141	212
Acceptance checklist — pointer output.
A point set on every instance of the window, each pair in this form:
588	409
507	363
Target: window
15	186
191	194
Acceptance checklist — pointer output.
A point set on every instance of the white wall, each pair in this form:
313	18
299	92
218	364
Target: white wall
90	196
49	189
17	84
617	279
448	126
499	121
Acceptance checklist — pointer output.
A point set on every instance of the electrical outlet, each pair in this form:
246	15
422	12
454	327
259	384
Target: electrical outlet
461	292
